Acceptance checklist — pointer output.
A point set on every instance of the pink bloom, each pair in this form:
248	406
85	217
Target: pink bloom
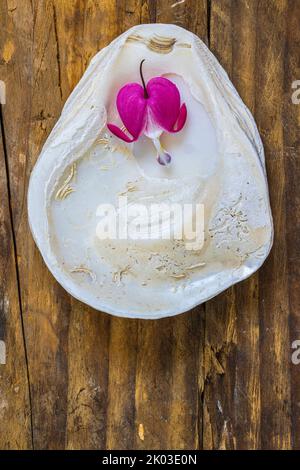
150	110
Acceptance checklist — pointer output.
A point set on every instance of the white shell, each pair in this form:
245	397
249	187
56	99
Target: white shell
218	160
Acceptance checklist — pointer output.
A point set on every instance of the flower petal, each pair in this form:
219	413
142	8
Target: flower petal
119	133
132	105
181	118
164	102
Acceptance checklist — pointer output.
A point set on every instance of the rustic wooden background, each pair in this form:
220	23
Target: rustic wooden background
218	377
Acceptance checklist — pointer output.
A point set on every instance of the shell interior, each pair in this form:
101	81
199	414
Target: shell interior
217	162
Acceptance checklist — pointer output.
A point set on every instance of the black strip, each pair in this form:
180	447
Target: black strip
134	459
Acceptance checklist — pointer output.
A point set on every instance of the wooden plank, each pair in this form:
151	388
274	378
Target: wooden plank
253	408
291	123
167	399
121	429
15	429
275	348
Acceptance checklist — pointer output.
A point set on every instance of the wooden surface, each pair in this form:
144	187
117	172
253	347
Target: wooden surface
218	377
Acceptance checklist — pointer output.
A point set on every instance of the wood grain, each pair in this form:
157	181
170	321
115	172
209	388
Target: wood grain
218	377
274	309
291	119
15	430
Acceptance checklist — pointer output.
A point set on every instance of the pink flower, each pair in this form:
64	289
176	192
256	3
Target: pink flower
150	110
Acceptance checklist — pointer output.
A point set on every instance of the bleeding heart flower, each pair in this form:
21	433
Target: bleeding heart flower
150	110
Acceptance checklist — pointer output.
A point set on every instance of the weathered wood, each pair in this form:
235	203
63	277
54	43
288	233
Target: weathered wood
219	376
15	429
30	113
291	126
167	400
275	346
249	38
189	14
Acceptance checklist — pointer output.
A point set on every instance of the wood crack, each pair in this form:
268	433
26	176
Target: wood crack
205	377
57	49
208	21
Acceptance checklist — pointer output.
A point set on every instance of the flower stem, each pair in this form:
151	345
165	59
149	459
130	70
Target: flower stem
143	81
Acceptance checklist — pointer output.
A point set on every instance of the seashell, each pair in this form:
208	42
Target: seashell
217	165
